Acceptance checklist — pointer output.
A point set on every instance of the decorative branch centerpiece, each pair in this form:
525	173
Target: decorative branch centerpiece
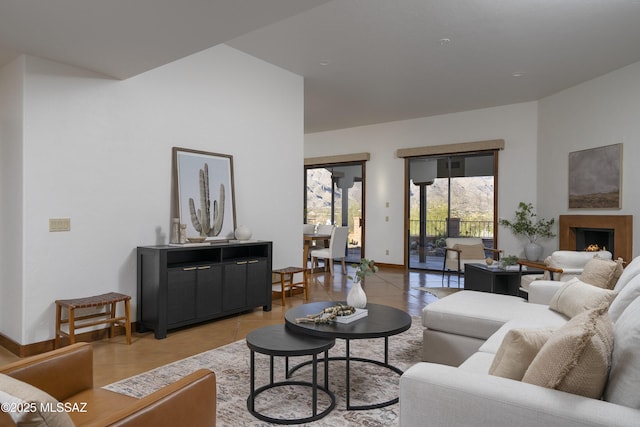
357	297
525	224
328	315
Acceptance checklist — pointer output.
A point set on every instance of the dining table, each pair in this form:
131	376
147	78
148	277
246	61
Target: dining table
308	240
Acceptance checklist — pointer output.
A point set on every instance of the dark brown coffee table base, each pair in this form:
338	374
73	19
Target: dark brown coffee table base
382	322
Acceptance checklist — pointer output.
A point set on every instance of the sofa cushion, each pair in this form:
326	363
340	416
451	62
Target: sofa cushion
481	314
625	297
577	357
517	351
624	376
631	271
602	273
470	251
575	296
19	394
477	363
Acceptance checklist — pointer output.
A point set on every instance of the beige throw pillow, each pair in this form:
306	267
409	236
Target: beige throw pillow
471	251
575	296
518	348
20	395
602	273
577	357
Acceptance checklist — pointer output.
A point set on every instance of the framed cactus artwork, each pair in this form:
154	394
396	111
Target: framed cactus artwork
203	193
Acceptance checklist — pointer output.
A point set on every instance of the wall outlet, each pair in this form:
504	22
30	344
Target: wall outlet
59	224
387	251
386	218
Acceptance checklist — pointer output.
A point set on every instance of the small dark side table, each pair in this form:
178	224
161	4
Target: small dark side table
479	277
277	340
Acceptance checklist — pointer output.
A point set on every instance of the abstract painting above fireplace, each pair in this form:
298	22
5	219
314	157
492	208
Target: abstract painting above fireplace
595	178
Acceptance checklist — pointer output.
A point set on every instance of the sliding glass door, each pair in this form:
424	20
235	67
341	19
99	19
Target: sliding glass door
334	195
449	196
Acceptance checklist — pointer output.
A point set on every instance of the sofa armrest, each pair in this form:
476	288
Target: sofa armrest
541	291
444	395
188	401
61	373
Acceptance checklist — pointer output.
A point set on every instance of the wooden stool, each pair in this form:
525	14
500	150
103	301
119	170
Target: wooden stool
96	301
286	281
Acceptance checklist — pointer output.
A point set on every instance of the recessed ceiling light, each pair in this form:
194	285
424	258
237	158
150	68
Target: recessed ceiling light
445	42
323	63
518	74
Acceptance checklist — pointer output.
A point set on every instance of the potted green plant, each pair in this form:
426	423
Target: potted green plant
525	224
509	260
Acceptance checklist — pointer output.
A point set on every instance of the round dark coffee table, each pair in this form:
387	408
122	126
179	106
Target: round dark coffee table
381	322
277	340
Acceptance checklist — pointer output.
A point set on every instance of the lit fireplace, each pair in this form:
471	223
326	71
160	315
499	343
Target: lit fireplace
614	232
595	239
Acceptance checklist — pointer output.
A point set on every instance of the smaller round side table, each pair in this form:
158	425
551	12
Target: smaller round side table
277	340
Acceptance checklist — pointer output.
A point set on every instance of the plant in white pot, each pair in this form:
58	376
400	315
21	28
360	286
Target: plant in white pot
525	224
356	296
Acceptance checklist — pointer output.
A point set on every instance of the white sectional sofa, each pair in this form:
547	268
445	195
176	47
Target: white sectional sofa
462	335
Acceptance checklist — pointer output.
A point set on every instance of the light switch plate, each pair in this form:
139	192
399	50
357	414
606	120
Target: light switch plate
59	224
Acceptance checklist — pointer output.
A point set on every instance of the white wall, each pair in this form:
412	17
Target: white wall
600	112
99	151
11	307
516	124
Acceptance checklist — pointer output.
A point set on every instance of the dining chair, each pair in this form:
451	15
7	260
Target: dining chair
323	229
336	250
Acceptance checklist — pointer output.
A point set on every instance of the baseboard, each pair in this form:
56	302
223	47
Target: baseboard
44	346
396	266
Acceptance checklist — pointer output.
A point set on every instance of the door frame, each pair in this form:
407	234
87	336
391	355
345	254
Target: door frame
337	161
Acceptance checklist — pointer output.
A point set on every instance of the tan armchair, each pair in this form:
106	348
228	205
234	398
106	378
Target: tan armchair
459	251
66	374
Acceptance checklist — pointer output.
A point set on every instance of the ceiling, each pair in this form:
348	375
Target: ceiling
364	61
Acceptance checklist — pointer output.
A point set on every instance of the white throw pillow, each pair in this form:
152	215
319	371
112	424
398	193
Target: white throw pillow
575	296
625	297
631	270
624	376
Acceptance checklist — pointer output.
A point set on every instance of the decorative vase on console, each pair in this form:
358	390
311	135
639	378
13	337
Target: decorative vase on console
243	233
357	297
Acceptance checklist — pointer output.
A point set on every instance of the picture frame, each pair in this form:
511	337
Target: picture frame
595	178
203	193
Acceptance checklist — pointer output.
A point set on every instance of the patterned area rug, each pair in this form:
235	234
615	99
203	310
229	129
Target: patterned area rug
369	383
440	292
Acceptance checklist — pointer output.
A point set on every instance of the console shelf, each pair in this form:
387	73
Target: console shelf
180	286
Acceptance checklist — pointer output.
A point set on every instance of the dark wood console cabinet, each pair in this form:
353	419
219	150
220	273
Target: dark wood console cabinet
183	285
